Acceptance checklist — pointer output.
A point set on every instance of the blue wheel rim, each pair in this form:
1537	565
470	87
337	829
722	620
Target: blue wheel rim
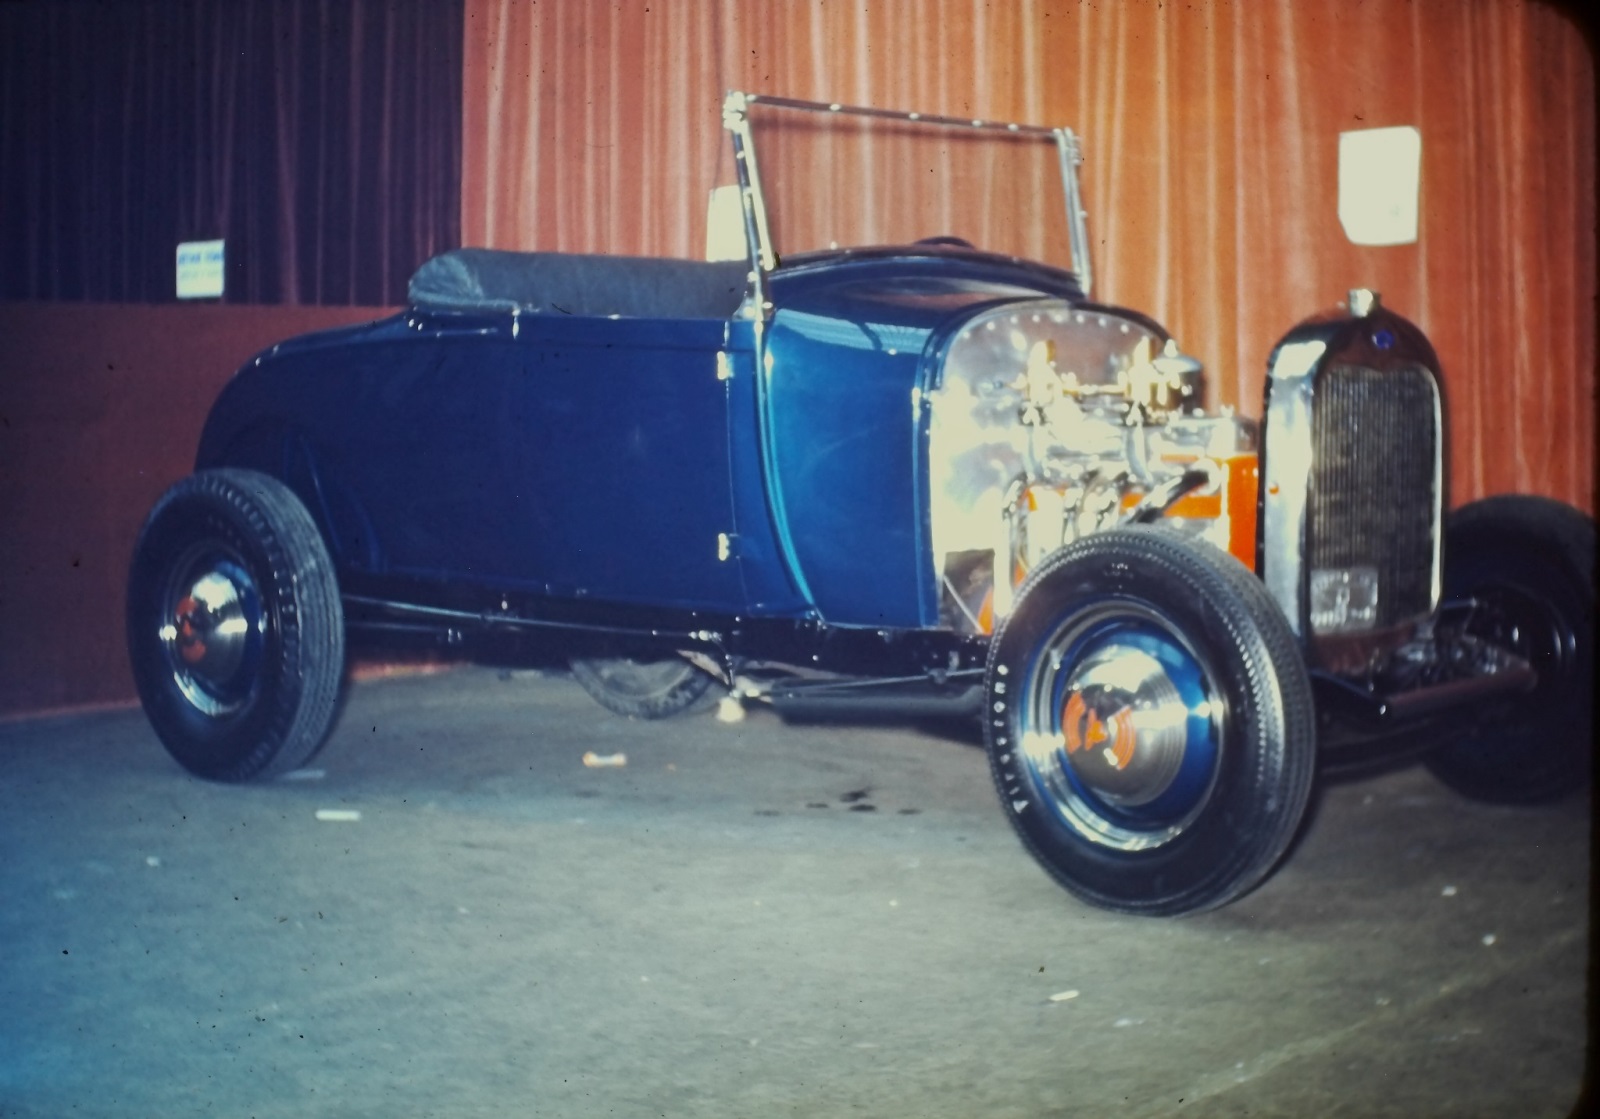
1121	726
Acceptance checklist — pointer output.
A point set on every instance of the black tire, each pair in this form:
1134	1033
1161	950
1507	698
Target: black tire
235	631
654	688
1172	655
1528	565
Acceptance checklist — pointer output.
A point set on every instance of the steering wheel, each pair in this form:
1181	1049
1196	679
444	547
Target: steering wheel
946	239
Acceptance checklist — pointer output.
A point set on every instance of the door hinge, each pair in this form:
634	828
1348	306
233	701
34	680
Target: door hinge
727	546
724	366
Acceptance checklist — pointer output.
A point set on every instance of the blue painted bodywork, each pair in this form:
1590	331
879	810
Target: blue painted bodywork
851	354
619	460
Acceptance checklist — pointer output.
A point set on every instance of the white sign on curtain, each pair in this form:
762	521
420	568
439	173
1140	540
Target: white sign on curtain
199	269
1380	174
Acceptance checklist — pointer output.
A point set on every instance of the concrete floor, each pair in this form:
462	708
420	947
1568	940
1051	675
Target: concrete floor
755	919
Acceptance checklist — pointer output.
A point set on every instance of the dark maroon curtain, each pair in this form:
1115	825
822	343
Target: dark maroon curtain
321	139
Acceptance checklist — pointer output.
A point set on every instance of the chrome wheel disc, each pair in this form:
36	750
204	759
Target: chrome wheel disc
1122	727
212	630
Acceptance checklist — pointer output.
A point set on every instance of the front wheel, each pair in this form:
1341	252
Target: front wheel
235	632
1149	723
1526	567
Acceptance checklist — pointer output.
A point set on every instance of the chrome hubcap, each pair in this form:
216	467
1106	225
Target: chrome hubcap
212	632
1123	724
1121	727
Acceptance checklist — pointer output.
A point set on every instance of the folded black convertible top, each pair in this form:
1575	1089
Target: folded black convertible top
574	284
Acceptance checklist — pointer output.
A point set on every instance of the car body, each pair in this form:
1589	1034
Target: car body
905	469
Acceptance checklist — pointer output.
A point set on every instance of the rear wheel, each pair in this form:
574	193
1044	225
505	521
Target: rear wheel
1527	566
235	632
653	688
1149	723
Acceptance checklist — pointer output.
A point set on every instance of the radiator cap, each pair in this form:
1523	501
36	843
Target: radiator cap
1363	301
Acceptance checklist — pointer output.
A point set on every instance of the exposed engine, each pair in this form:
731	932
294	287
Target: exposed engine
1050	423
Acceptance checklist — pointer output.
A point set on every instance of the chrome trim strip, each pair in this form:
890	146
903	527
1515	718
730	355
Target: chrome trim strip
1286	475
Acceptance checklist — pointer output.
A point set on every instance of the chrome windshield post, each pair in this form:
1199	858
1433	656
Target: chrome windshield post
736	120
1071	154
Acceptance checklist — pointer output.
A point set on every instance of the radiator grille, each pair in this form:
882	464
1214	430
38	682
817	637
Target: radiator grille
1375	443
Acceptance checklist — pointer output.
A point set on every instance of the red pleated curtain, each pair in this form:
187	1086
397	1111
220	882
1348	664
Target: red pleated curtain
1211	131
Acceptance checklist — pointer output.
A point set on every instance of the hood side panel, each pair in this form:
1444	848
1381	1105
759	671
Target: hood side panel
846	370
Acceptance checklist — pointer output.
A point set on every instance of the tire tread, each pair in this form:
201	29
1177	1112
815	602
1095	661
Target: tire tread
309	638
1216	577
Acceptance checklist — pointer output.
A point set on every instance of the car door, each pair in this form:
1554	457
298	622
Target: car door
621	462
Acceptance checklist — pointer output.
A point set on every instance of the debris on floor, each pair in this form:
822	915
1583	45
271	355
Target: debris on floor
1063	996
339	815
604	761
730	709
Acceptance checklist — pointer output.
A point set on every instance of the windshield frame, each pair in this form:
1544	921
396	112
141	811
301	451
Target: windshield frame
758	230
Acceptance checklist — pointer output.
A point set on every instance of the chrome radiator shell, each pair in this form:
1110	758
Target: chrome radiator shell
1352	478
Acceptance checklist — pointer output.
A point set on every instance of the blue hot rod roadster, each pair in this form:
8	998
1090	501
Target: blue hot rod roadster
888	455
